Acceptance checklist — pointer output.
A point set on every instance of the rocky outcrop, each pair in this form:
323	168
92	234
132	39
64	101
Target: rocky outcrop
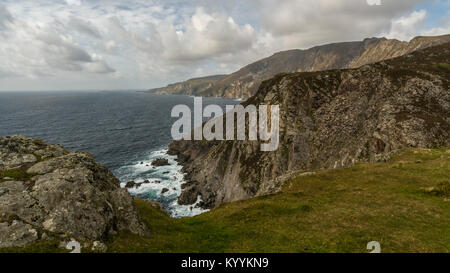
245	82
52	191
160	162
329	119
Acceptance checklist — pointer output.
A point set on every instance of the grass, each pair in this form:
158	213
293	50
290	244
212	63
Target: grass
16	174
332	211
403	204
443	66
50	246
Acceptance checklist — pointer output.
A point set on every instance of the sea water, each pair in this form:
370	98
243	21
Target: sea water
124	130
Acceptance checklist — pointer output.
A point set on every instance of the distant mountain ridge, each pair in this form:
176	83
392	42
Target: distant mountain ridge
190	87
245	82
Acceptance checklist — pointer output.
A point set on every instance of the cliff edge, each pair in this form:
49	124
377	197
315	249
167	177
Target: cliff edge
330	119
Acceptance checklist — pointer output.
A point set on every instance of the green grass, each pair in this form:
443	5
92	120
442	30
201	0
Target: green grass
50	246
403	204
443	66
16	174
332	211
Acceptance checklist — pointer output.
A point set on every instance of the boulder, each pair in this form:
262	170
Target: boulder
99	247
16	234
68	194
130	185
160	162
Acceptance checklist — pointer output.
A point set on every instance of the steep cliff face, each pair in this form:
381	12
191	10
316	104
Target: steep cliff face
245	82
329	119
189	87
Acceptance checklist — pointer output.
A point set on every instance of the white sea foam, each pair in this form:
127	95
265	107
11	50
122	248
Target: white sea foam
165	177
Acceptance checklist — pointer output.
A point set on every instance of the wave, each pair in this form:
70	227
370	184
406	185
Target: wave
157	179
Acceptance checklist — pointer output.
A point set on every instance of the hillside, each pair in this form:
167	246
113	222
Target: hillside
329	119
403	204
245	82
189	87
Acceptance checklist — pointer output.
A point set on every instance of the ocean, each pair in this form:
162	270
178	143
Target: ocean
124	130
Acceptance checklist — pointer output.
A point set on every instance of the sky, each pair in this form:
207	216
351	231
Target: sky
142	44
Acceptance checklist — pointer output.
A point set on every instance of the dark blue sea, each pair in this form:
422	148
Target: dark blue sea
124	130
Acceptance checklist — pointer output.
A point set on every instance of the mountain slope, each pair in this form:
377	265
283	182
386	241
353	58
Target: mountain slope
245	82
189	87
329	119
403	204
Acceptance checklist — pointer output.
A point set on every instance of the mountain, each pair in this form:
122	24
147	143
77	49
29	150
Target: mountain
245	82
190	87
329	119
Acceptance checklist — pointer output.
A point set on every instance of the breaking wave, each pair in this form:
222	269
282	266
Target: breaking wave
157	179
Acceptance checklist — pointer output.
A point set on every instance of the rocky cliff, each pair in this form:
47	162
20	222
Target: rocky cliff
328	119
245	82
189	87
47	192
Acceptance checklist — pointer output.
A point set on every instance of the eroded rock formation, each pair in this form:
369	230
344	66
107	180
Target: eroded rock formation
47	191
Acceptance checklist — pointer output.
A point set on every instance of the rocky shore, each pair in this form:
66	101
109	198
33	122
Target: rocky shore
47	193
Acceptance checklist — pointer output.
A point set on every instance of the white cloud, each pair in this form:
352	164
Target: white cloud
206	36
413	24
148	43
405	27
45	50
302	23
73	2
84	27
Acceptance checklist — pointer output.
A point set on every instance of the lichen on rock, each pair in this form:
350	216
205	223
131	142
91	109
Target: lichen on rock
64	194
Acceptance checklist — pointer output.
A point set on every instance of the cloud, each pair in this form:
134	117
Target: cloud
302	23
5	17
73	2
206	36
44	50
144	44
98	67
405	27
84	27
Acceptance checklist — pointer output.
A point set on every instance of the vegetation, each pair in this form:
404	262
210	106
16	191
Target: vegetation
50	246
16	174
403	204
443	66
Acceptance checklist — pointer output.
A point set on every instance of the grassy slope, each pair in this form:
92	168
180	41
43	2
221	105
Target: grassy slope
332	211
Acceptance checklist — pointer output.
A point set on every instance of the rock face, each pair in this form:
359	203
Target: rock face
160	162
329	119
190	87
59	193
245	82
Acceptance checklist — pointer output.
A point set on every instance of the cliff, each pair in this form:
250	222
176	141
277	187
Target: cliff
245	82
330	119
189	87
